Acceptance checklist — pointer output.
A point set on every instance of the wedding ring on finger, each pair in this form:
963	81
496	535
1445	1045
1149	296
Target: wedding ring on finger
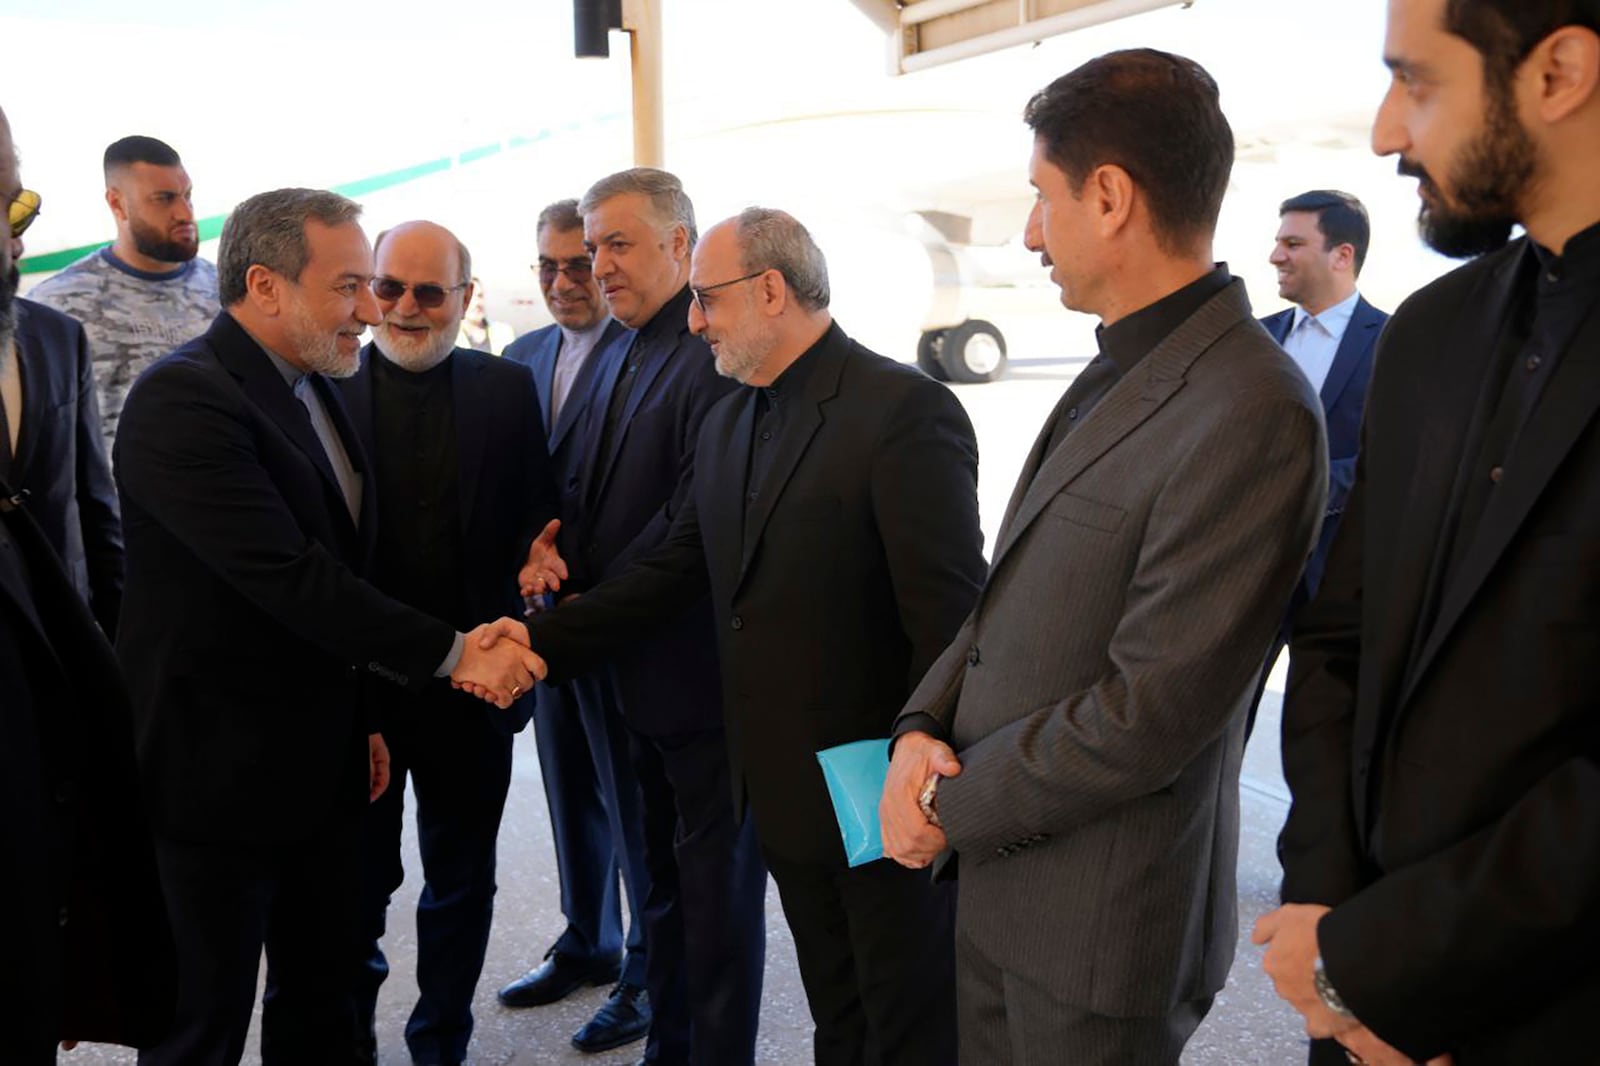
516	690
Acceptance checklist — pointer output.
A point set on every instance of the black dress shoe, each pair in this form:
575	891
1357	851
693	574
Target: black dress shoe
623	1018
556	978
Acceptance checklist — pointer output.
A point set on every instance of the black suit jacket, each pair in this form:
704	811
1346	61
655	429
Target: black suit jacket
624	505
247	628
506	489
87	952
1446	776
833	595
1344	396
61	457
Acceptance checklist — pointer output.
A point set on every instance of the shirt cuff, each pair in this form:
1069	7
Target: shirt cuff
448	667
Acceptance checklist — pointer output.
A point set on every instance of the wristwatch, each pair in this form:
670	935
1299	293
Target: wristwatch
928	800
1327	993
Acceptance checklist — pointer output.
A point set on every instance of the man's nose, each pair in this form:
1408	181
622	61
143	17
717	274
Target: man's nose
367	309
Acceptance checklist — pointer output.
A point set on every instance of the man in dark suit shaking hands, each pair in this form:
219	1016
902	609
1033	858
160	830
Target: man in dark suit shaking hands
463	482
250	511
834	519
1078	745
1442	852
1329	333
589	784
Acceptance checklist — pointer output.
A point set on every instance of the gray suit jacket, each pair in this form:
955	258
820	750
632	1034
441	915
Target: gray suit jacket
1096	694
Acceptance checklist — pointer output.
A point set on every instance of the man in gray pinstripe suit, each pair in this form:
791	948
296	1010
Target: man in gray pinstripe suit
1077	747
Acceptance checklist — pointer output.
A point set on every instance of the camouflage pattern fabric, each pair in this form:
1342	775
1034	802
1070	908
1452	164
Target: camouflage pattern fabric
132	318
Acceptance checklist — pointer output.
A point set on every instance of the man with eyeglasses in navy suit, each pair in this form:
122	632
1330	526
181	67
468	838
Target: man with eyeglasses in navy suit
589	785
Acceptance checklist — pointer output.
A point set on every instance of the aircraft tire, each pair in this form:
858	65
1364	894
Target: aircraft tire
973	352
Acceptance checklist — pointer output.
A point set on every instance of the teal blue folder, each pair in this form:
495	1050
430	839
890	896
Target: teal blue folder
855	773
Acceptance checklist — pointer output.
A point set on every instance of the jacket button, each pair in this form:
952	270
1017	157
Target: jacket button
972	655
737	623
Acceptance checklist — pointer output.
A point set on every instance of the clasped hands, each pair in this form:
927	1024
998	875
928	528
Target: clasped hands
496	664
908	837
1290	936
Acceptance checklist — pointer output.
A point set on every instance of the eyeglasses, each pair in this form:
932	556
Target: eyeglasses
23	210
699	295
428	295
578	271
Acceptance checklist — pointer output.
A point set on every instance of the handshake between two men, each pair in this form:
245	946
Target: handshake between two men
497	665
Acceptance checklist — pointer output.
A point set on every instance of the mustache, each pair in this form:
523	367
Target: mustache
1410	168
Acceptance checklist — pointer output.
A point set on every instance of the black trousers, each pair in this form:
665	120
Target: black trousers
459	764
226	901
877	958
705	914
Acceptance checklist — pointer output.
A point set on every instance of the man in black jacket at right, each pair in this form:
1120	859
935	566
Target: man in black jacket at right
834	517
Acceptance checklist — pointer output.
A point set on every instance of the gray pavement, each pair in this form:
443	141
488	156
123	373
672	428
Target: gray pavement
1247	1025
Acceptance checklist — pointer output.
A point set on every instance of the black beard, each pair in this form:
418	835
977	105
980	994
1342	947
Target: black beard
1490	177
150	243
9	284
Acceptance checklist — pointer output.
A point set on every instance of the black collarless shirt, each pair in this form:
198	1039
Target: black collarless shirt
1552	297
1125	343
419	474
772	408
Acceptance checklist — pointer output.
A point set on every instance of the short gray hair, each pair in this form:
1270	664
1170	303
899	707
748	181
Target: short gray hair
774	240
269	229
462	255
563	216
668	201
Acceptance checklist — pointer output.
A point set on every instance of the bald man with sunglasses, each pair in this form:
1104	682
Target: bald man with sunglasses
463	484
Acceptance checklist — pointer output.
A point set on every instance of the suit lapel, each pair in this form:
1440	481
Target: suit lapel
652	361
1564	411
1278	325
1358	339
544	373
721	503
583	386
363	530
1455	411
259	377
32	369
1123	409
594	413
821	387
472	429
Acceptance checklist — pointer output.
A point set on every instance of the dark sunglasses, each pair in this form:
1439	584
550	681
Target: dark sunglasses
24	209
577	271
428	295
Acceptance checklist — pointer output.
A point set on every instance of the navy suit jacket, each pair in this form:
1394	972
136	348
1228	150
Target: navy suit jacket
537	351
247	625
88	955
1343	395
669	681
61	457
506	490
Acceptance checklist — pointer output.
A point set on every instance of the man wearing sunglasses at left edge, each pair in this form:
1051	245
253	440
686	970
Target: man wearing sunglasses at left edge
463	483
87	951
50	443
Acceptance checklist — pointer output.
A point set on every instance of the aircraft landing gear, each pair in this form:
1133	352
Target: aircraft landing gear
971	353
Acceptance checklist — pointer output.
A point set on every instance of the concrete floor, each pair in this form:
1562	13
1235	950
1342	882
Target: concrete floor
1247	1025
